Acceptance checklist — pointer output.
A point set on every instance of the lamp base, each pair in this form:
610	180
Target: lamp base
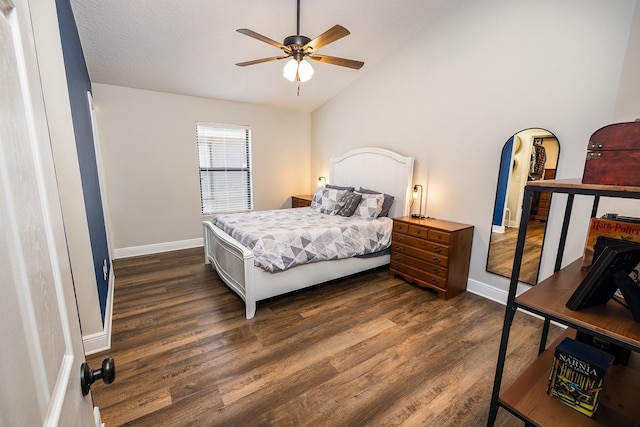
421	216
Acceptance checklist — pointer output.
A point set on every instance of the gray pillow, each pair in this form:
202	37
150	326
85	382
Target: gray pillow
327	200
337	187
386	205
350	204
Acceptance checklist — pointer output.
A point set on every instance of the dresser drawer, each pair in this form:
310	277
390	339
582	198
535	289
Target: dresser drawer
435	269
420	244
420	232
544	202
433	258
420	277
429	234
439	236
301	201
400	227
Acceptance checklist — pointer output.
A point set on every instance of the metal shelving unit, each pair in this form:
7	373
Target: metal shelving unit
526	398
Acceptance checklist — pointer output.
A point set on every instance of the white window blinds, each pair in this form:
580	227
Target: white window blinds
224	157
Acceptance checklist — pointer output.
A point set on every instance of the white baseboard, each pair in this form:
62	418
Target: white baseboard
487	291
158	247
101	341
97	419
500	296
497	229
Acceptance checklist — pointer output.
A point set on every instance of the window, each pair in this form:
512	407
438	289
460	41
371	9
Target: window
224	157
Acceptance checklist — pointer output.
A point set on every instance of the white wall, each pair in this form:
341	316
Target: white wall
455	94
628	101
148	146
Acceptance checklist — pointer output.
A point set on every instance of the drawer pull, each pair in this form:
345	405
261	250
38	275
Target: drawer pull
398	248
435	281
397	266
437	260
438	249
436	270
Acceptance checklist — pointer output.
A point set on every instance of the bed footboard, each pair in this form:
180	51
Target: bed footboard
233	263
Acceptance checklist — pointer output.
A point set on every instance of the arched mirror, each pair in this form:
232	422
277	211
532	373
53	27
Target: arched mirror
531	154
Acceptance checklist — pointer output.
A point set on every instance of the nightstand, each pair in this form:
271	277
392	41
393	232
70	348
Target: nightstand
301	201
432	253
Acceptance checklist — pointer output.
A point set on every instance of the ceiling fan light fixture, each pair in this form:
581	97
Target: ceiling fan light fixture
290	70
297	47
297	71
305	70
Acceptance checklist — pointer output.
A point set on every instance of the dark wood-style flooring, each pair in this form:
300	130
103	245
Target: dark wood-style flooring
369	350
502	251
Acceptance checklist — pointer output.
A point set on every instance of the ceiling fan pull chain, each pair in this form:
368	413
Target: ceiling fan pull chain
298	90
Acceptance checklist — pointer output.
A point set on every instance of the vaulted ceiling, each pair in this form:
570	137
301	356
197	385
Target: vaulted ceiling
190	47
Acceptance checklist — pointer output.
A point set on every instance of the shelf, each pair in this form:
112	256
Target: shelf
575	186
528	397
548	299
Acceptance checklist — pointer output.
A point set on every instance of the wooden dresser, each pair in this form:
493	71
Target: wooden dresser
432	253
301	201
544	198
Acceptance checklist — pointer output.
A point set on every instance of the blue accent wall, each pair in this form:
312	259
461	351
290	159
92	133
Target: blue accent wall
503	180
79	84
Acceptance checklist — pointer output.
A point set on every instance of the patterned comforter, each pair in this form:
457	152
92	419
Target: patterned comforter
282	239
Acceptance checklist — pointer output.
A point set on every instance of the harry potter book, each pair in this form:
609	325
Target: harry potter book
578	375
623	228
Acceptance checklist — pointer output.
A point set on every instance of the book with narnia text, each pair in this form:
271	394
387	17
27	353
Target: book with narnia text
578	375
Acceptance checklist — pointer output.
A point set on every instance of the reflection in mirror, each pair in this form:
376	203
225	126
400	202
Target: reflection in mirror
529	155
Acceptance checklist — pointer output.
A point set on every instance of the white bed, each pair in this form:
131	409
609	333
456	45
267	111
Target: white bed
372	168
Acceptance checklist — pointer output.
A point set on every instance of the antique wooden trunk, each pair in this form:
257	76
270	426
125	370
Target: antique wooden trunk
613	156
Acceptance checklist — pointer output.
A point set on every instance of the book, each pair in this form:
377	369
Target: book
618	228
620	354
578	375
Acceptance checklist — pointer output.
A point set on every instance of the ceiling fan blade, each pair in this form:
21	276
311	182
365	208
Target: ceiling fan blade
262	38
332	34
260	61
350	63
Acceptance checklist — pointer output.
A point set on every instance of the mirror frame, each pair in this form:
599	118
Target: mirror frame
513	175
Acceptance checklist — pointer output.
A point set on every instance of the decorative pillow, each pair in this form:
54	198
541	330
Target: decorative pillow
350	201
337	187
386	205
317	198
327	200
370	206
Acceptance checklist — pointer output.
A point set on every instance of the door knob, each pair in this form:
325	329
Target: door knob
88	376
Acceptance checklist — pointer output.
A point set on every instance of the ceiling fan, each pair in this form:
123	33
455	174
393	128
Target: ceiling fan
299	47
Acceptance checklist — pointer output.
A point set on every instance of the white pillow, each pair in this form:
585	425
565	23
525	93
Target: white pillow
370	206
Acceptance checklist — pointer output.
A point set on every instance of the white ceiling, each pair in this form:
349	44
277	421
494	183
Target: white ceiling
190	47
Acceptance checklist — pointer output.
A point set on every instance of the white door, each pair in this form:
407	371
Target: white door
40	343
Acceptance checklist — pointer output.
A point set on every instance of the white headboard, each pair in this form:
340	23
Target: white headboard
376	169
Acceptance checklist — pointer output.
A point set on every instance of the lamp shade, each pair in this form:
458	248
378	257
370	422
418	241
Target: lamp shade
305	70
297	71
